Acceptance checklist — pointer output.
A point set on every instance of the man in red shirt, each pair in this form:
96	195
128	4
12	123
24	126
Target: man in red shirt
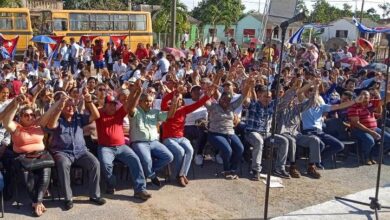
364	126
112	146
141	52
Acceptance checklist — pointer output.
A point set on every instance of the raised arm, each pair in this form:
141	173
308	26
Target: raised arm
172	110
10	112
52	123
91	107
133	100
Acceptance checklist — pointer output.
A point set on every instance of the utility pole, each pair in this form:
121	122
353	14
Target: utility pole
361	12
173	23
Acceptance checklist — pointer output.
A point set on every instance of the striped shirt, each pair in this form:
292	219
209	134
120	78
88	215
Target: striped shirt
365	113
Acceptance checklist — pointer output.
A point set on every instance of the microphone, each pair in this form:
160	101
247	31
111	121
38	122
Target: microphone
299	17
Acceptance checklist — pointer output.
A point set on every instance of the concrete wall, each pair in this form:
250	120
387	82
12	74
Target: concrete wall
341	24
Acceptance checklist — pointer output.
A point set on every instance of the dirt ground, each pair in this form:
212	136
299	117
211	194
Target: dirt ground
211	197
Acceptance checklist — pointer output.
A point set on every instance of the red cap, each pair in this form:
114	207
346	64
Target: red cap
110	99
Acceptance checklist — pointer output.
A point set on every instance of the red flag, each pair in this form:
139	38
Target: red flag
117	39
85	38
52	49
9	46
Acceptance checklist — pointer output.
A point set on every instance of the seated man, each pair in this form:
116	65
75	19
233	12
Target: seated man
68	146
365	128
112	146
144	135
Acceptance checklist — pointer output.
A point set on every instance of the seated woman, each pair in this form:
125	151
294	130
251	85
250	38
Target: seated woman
173	132
27	136
221	129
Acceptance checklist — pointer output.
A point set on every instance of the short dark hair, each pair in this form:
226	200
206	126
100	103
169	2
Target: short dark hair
261	88
349	94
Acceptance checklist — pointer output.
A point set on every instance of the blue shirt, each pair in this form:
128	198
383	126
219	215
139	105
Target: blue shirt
312	118
68	137
259	117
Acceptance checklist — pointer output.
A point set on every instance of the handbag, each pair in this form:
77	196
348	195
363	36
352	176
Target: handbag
36	160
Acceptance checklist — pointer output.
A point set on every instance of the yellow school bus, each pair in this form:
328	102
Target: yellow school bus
14	22
75	23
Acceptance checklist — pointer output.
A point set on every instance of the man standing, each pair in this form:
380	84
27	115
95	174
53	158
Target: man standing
74	55
68	146
112	146
144	135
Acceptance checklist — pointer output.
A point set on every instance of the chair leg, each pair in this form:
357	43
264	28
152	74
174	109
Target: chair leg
334	160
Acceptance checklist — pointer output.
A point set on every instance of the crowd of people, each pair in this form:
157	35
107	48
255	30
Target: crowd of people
90	105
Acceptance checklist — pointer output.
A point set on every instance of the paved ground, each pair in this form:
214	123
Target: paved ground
210	197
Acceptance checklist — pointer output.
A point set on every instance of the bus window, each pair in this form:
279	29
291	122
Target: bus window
100	22
138	22
121	22
6	21
20	21
60	24
79	22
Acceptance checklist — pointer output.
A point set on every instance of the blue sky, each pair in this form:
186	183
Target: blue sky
254	4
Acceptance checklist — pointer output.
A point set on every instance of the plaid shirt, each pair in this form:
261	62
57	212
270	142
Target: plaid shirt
259	117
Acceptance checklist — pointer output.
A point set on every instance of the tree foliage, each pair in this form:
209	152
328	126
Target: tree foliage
385	9
215	12
96	4
10	3
301	6
162	18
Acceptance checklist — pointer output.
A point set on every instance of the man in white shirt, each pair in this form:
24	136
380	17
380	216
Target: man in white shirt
43	72
74	55
119	68
162	65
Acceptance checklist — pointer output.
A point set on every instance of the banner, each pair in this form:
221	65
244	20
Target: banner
8	47
117	39
373	30
296	38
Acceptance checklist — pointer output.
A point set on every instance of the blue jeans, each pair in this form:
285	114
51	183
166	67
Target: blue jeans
1	182
367	142
126	155
230	148
148	149
182	151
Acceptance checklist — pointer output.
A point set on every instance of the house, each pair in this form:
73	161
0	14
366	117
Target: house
345	28
43	4
249	26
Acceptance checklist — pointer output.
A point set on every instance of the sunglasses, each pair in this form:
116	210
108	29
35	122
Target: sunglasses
102	90
29	115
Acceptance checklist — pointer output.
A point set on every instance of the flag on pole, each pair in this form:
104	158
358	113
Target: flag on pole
8	47
373	30
296	38
85	38
52	49
117	39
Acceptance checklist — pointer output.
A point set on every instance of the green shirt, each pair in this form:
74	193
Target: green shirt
143	125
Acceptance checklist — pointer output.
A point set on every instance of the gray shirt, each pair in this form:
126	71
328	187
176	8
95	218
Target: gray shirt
221	121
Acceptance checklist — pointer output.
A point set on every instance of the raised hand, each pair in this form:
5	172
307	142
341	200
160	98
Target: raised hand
87	95
21	99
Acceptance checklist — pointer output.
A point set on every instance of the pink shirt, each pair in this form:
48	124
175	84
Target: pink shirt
28	139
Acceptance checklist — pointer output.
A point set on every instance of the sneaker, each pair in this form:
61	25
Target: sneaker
294	172
281	174
218	158
229	175
110	191
199	160
374	162
255	175
142	195
369	162
312	172
156	181
98	201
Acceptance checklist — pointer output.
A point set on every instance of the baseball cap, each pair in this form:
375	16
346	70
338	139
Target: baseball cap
110	99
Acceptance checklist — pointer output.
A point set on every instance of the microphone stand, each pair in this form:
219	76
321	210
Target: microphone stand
374	204
283	26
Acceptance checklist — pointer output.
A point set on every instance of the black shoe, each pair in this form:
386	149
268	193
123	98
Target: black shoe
142	195
255	175
156	181
281	174
68	205
98	201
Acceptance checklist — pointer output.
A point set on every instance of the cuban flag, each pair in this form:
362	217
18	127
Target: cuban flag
373	30
296	38
8	47
117	40
85	38
52	49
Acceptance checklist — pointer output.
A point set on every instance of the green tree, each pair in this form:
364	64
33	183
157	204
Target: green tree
10	3
215	12
385	9
301	6
96	4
